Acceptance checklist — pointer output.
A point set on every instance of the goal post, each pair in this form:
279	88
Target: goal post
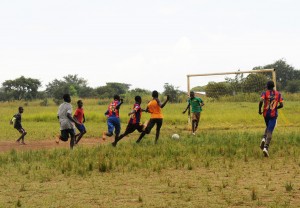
232	73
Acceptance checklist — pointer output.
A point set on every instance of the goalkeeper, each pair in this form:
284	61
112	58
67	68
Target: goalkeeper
196	104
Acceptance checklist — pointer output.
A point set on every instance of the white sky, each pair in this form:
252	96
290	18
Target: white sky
144	43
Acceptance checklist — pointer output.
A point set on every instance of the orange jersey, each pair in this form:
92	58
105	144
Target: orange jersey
154	109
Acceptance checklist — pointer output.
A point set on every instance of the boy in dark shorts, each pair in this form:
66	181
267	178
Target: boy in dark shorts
134	121
154	107
17	122
79	116
66	121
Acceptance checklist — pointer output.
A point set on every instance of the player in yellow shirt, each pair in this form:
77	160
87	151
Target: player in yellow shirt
154	107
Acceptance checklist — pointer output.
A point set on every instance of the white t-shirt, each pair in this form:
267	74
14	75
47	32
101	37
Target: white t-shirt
65	122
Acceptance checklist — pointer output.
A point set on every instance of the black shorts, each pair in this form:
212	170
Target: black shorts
132	127
152	122
64	134
21	130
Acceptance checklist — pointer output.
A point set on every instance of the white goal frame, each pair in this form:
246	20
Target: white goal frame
227	73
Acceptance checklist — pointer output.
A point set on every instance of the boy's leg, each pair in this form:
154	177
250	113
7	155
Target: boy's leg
158	126
80	135
150	125
72	135
110	126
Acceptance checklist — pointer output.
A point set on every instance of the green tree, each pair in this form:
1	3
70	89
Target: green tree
254	83
71	84
293	86
172	91
284	72
111	89
217	89
21	88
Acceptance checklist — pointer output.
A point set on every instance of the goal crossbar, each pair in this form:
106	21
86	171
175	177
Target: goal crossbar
236	72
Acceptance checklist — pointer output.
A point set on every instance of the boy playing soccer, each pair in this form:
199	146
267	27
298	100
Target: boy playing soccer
270	98
17	122
66	121
134	121
154	107
112	114
196	104
79	116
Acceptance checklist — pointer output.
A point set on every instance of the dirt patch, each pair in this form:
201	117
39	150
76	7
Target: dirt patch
49	144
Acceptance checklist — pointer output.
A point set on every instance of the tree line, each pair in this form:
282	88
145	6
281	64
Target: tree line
22	88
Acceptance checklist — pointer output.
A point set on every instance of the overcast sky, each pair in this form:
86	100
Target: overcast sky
144	43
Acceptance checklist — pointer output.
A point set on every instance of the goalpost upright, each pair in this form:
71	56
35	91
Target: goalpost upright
227	73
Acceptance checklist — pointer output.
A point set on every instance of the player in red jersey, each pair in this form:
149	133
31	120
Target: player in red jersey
79	116
134	122
272	101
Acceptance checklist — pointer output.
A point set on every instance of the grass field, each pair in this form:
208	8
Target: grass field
222	166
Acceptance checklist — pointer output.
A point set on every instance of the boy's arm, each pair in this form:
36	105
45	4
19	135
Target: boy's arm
72	119
120	103
163	105
259	106
280	105
83	119
187	107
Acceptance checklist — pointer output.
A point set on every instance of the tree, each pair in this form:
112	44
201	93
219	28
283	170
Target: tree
254	83
172	91
111	89
284	72
71	84
21	88
293	86
217	89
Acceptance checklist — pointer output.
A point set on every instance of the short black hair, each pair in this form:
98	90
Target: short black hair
20	108
138	98
79	101
155	94
66	97
270	85
116	97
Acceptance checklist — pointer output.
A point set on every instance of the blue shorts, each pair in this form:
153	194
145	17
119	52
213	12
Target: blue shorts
81	128
270	123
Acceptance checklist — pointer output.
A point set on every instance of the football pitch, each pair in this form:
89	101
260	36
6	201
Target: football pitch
221	166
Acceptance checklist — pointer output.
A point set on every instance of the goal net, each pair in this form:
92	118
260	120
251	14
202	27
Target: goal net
231	98
230	86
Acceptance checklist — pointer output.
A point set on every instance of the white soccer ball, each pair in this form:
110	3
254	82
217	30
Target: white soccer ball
175	136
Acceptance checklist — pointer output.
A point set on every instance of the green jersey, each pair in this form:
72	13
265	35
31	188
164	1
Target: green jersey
196	104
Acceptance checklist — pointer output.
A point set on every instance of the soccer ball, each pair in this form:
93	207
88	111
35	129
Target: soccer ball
175	136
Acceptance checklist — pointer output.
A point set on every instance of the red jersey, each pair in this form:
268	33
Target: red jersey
112	109
271	100
136	117
79	115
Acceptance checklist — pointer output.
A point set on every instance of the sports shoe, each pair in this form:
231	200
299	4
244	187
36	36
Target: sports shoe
266	153
109	134
194	133
262	143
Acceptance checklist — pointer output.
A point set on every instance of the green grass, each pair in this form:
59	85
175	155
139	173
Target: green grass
222	166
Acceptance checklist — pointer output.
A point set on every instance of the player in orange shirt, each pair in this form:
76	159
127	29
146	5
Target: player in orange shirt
79	116
154	107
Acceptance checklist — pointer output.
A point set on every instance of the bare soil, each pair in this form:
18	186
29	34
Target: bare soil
49	144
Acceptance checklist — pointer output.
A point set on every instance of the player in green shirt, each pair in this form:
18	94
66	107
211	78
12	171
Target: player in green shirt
196	104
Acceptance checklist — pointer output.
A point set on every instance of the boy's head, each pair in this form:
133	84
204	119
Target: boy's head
117	97
21	109
192	94
270	85
138	99
67	98
79	103
155	94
